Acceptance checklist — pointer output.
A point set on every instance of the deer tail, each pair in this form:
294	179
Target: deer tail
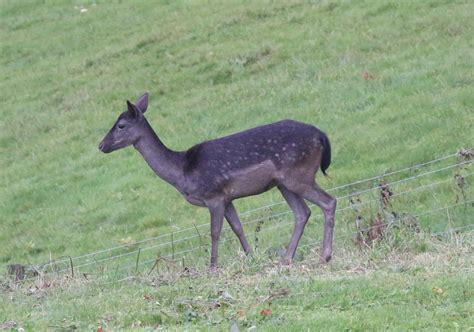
326	158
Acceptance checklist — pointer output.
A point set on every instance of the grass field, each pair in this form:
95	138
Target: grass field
391	83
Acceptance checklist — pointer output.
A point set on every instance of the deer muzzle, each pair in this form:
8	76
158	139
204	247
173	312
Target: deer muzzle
103	147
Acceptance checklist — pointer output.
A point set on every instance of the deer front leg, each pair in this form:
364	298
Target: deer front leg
217	218
234	222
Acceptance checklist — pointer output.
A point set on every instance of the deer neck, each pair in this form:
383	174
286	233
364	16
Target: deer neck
166	163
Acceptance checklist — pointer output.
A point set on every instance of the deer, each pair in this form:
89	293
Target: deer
212	174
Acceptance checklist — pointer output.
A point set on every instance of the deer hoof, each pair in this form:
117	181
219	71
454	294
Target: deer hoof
213	270
325	259
286	261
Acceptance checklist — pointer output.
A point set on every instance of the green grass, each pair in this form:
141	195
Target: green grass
402	291
390	82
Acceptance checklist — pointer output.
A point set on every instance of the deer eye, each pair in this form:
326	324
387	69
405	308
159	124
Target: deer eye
121	126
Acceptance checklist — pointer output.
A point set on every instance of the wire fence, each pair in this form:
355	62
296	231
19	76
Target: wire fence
265	207
192	229
191	240
272	216
271	263
348	235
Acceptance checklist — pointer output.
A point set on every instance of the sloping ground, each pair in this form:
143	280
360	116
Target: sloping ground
386	287
391	84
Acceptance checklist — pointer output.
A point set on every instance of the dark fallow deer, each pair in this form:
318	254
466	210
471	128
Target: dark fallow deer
285	154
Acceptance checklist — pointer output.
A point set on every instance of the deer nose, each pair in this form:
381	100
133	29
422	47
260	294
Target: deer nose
101	146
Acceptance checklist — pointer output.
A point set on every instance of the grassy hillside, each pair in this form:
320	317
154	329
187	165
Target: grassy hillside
211	71
391	83
357	292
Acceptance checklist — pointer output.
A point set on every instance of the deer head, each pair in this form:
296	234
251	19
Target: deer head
128	128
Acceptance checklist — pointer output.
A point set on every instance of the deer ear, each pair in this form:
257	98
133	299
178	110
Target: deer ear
132	109
142	102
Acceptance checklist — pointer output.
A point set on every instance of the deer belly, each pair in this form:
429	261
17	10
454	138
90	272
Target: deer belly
252	180
194	200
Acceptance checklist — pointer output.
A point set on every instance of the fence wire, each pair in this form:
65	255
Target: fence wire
95	261
417	166
273	216
450	231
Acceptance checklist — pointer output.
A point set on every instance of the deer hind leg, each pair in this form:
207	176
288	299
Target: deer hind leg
233	219
301	212
327	203
310	191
